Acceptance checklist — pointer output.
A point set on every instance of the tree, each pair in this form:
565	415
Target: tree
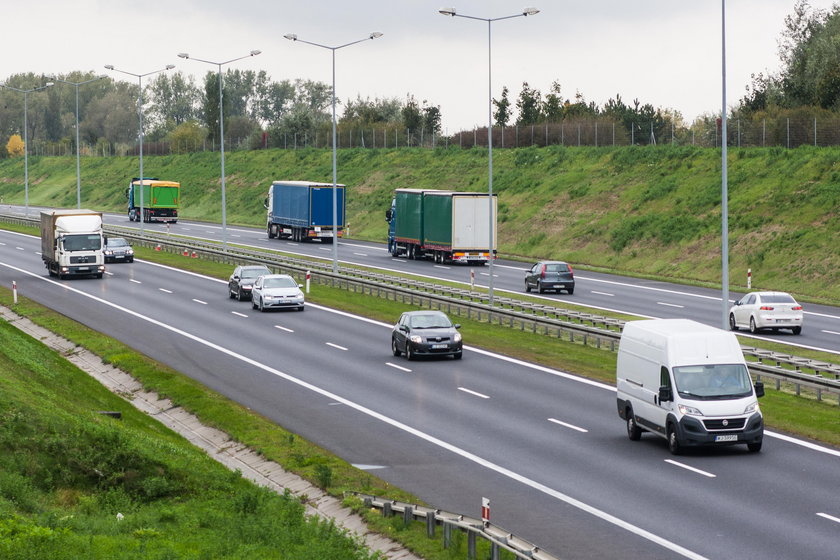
15	145
529	105
431	118
502	114
173	100
186	137
552	108
412	118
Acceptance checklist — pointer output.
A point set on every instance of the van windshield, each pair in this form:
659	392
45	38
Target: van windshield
709	382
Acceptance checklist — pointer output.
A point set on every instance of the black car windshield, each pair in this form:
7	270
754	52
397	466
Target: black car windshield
708	382
82	242
429	321
281	282
254	272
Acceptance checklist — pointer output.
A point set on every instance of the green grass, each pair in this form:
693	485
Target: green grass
66	472
650	211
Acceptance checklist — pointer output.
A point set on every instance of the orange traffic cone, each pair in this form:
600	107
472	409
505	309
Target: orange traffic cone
157	247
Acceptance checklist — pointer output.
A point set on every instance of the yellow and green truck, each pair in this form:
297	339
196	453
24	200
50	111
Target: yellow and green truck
153	199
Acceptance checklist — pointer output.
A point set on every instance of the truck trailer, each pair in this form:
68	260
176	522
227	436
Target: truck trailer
160	200
443	226
71	243
303	210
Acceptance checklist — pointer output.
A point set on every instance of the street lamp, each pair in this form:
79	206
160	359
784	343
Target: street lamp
524	13
140	113
78	167
26	93
222	134
724	198
293	37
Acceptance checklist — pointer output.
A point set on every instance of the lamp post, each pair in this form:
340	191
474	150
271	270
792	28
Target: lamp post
222	133
140	114
724	189
524	13
293	37
26	93
78	166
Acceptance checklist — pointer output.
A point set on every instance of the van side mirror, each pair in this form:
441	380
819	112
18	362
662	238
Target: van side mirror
665	394
759	388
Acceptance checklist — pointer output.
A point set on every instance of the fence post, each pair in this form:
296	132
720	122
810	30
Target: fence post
471	546
430	524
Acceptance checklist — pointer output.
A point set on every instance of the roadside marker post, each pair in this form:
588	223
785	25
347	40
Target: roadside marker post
14	291
308	277
749	278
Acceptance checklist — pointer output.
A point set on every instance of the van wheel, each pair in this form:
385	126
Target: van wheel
754	447
673	441
732	325
634	432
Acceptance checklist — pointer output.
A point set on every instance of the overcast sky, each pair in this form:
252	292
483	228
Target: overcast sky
663	52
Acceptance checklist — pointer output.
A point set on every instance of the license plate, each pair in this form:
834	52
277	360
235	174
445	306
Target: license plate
728	437
119	256
83	268
438	346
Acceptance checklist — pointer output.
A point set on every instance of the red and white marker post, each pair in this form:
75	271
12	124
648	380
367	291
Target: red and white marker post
485	509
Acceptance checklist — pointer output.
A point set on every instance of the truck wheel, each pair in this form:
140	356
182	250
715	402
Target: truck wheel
634	432
673	441
271	234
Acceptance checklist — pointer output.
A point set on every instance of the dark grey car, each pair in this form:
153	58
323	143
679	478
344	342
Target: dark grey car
550	275
426	333
117	249
243	278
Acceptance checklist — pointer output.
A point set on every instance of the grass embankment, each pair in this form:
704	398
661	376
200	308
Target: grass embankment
67	475
651	211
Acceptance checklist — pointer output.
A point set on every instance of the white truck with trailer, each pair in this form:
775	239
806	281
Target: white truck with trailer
72	243
688	383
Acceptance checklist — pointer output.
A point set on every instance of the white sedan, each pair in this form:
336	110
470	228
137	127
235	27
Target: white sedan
766	310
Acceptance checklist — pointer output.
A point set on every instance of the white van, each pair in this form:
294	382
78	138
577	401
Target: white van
688	383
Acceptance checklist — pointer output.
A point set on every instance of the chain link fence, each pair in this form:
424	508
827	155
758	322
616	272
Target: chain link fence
788	133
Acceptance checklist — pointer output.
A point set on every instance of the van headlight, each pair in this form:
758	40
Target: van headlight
689	410
752	408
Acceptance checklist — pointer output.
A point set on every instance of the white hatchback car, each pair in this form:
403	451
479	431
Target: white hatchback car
274	291
766	310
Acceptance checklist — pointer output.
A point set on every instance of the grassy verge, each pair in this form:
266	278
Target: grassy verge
78	484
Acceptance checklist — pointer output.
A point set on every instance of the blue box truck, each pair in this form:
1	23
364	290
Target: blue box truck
303	210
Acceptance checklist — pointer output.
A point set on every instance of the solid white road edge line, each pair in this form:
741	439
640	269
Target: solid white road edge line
394	423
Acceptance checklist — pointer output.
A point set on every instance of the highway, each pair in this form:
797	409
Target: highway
546	447
606	292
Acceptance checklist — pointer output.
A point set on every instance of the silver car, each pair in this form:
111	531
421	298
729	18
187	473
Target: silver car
274	291
766	310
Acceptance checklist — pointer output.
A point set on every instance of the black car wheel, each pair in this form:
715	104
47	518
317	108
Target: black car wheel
458	355
409	355
394	349
261	306
231	295
527	287
571	291
239	294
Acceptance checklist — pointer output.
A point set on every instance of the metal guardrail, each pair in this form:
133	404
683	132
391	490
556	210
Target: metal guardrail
498	538
574	326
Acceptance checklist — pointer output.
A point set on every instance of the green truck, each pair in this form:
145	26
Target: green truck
160	200
443	226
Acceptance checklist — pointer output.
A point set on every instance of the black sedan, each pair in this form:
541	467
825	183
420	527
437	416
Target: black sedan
117	249
242	280
426	333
